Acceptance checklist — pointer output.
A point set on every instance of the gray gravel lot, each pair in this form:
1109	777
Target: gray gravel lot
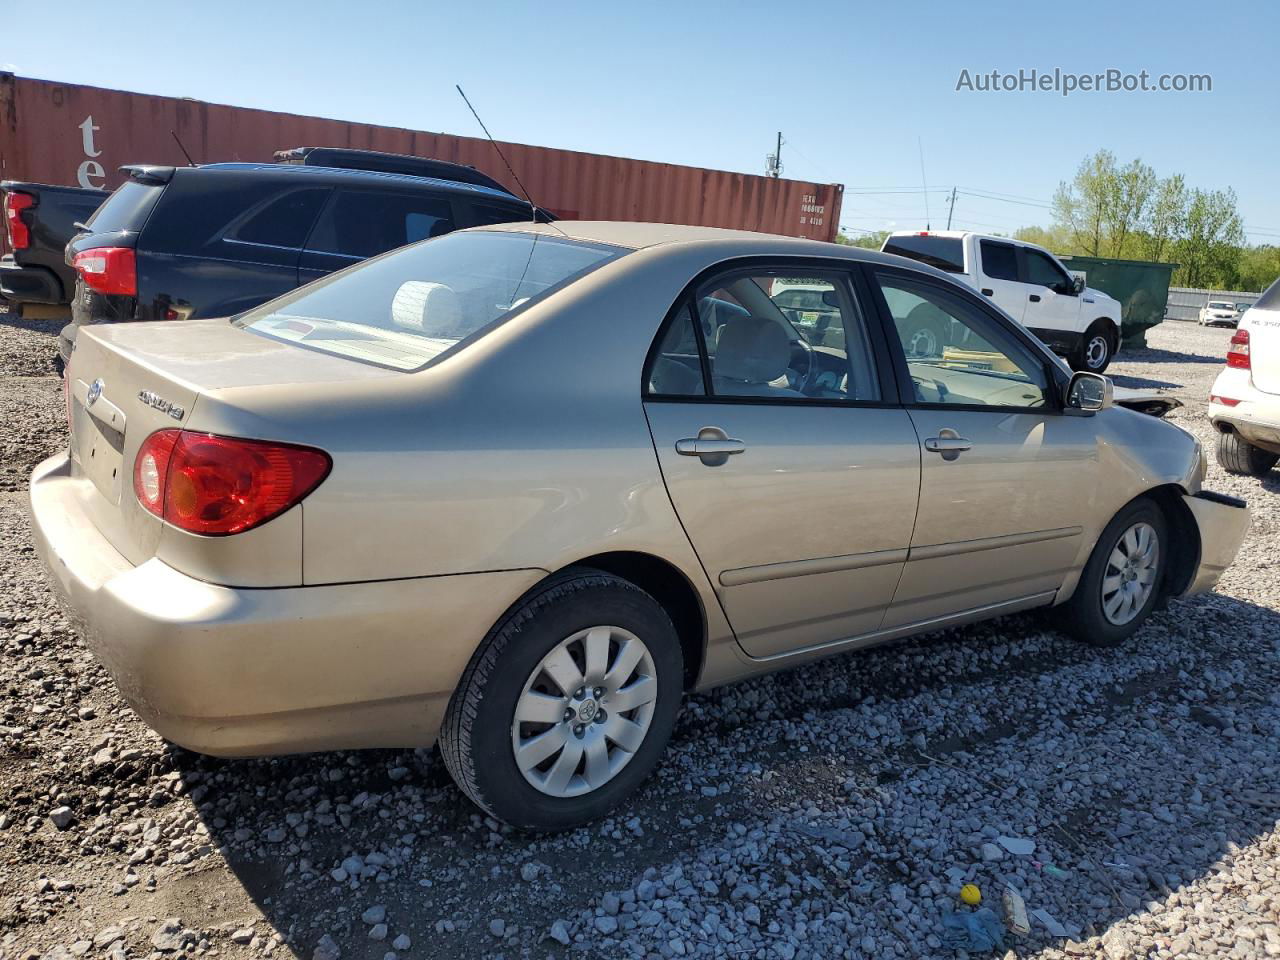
831	811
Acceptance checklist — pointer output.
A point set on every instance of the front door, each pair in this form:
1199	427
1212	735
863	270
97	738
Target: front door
1006	479
1052	303
791	466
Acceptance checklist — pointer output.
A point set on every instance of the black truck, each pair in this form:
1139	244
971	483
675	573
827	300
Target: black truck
39	219
214	240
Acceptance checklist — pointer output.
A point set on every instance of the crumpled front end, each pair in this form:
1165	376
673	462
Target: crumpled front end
1222	521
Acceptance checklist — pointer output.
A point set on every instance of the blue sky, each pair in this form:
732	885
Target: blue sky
854	87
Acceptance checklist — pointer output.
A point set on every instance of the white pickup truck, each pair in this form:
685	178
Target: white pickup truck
1028	283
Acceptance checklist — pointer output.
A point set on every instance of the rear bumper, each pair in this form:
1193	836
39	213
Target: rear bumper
21	284
1222	522
1258	423
240	672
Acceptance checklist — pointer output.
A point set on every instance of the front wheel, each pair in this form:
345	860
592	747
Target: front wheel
1097	349
1122	578
568	704
1238	455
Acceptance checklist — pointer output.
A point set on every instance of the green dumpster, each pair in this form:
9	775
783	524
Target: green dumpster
1141	286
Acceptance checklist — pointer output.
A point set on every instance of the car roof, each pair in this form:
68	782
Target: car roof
345	175
638	235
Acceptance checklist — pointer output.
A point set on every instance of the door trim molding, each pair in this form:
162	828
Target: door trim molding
933	551
859	561
804	568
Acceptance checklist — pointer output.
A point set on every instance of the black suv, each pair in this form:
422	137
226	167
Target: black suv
214	240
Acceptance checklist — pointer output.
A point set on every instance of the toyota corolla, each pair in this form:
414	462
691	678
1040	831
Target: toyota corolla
518	489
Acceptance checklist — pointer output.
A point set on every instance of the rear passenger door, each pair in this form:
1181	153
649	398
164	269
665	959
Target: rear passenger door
358	224
792	467
998	277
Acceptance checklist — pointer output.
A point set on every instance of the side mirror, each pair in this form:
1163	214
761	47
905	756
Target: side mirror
1090	392
1077	285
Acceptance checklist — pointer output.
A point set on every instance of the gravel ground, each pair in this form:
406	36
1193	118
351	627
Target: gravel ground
830	811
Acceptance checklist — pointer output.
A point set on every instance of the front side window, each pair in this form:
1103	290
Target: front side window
405	309
1043	271
773	335
959	355
999	260
360	224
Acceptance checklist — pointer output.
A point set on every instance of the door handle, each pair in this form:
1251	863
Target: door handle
948	443
988	292
1034	298
712	445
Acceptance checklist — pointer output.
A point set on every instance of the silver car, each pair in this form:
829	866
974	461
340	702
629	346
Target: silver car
518	489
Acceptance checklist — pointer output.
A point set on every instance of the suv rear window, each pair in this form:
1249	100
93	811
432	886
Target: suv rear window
945	253
405	309
126	209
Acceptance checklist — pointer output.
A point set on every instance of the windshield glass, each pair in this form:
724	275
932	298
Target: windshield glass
405	308
1219	305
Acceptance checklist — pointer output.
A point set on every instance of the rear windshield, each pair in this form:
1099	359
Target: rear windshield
1270	299
945	253
404	309
126	209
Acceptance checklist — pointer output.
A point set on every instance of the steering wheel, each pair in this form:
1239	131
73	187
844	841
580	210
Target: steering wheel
801	349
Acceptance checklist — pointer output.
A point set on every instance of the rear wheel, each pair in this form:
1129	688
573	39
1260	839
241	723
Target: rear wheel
1238	455
1122	578
568	704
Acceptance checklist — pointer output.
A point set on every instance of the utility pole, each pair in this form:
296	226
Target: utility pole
773	161
951	208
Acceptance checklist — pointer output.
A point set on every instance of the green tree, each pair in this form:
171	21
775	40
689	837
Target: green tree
1082	207
1209	246
872	240
1165	220
1259	267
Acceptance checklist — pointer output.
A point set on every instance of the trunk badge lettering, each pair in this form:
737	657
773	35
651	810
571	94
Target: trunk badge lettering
161	404
95	391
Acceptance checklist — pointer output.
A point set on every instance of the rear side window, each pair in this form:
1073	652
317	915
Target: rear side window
282	221
126	209
200	209
361	224
483	214
999	260
945	253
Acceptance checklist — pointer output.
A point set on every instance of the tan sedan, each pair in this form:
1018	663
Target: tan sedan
520	488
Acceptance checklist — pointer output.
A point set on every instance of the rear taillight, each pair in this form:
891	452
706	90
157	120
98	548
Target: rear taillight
216	486
1238	351
108	270
1225	401
19	232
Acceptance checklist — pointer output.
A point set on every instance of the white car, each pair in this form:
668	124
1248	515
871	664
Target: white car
1219	313
1028	283
1244	404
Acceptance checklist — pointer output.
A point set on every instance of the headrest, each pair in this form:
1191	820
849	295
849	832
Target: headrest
431	309
752	349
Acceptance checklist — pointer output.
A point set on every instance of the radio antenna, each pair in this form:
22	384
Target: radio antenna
501	156
174	134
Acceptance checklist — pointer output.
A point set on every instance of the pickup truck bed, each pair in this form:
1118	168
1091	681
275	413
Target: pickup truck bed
37	273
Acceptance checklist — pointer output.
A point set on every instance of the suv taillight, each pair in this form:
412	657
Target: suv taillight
1238	351
19	232
108	270
216	485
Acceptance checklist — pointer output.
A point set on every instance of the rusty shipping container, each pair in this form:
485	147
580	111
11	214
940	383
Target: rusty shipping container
70	134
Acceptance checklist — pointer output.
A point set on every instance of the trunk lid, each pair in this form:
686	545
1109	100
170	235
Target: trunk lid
1263	326
125	381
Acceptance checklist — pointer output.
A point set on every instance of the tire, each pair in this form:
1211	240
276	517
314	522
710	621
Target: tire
1085	616
1097	349
479	737
924	332
1238	455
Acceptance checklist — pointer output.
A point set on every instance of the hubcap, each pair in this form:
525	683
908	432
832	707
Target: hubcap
922	343
1096	352
584	711
1130	575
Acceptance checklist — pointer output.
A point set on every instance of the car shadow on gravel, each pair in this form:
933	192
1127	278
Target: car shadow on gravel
1138	772
1157	355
